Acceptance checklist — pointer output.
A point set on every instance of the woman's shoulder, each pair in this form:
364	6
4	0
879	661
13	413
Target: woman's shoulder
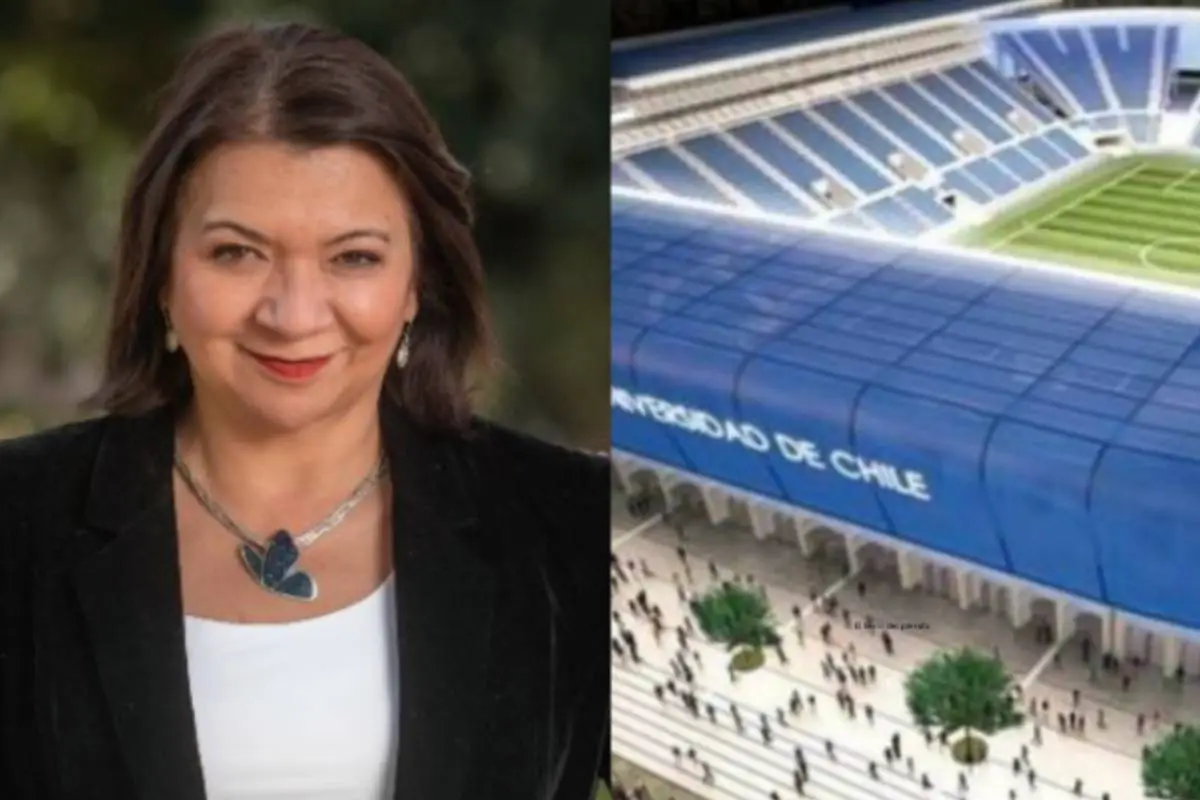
41	475
50	454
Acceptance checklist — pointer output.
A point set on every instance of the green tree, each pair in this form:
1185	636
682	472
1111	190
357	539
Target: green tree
1171	768
739	617
962	690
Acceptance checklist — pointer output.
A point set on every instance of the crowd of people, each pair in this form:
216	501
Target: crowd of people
851	680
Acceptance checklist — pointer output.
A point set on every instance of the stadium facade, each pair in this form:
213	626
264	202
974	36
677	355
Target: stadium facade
1019	436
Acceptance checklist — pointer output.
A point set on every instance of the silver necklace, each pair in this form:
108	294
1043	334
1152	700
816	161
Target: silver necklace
273	565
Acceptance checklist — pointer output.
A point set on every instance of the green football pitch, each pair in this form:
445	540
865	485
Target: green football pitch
1136	215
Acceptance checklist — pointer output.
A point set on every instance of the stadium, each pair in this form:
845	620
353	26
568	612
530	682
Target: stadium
918	286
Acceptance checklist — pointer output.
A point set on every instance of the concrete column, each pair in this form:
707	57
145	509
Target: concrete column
1171	652
670	498
966	588
852	545
762	521
1020	606
1119	646
716	504
804	530
1064	620
910	569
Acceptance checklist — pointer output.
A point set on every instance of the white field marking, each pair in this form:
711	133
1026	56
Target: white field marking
1144	253
1078	201
1186	177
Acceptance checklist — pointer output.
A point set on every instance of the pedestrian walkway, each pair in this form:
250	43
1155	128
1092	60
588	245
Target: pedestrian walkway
1106	760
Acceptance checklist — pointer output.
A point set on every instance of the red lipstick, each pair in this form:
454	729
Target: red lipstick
292	369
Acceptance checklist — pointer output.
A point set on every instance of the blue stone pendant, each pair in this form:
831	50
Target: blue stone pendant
273	567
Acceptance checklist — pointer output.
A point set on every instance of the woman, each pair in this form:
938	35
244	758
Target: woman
288	562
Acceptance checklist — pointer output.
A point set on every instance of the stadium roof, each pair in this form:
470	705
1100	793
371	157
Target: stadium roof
1057	405
636	58
1112	364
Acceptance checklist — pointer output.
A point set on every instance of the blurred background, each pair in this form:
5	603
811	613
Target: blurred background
515	84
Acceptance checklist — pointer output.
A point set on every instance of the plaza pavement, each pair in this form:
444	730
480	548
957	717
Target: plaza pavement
744	768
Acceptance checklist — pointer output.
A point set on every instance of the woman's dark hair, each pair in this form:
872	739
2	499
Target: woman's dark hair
309	87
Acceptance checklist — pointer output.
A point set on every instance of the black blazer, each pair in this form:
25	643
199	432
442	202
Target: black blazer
502	590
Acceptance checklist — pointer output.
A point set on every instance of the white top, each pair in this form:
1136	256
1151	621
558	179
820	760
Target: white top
303	710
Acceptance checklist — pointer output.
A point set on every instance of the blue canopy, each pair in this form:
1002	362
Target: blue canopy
1041	425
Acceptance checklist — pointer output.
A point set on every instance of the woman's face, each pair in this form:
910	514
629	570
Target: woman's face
292	277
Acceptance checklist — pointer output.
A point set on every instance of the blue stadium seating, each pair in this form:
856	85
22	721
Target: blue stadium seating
1073	68
840	157
1018	164
731	165
960	182
908	97
964	109
880	111
677	177
981	92
1043	151
997	180
925	204
988	74
1129	69
773	164
863	133
1068	144
772	149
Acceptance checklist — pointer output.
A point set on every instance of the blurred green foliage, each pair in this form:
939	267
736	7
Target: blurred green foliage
519	88
736	615
962	690
1171	767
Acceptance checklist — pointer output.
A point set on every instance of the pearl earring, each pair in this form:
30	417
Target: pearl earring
172	338
403	353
